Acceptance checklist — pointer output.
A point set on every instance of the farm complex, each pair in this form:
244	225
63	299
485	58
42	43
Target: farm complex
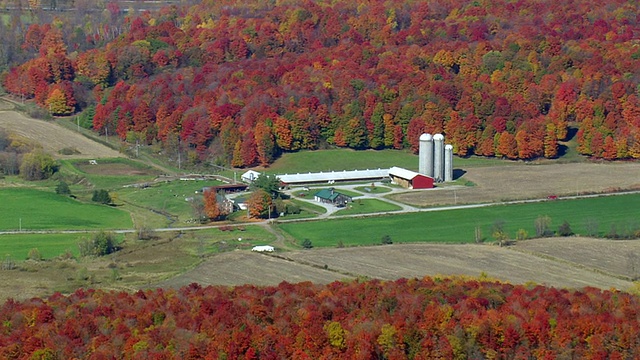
320	179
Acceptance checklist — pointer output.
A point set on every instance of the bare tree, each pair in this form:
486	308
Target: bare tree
543	224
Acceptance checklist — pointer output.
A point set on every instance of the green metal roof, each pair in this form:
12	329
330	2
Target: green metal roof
327	195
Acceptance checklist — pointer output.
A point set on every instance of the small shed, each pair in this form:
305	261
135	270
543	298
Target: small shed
410	179
249	176
330	196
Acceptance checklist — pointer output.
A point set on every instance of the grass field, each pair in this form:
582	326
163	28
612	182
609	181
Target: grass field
40	210
215	240
109	173
373	189
17	246
458	226
346	159
167	197
367	206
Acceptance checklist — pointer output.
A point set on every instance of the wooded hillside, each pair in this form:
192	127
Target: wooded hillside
404	319
239	82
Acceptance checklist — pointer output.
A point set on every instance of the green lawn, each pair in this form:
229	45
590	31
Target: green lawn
168	197
367	206
346	159
373	189
49	245
41	210
458	226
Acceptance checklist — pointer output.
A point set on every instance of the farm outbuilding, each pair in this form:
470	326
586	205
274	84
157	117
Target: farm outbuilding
333	176
249	176
410	179
330	196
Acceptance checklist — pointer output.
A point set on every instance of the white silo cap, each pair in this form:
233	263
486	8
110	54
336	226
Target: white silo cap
438	137
426	137
448	147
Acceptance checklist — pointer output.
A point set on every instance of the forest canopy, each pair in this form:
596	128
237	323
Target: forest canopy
240	82
404	319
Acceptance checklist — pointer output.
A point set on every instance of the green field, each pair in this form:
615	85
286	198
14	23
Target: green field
17	246
346	159
458	226
367	206
125	172
170	197
40	210
373	189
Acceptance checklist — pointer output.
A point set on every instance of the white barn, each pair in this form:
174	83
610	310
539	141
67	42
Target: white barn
249	176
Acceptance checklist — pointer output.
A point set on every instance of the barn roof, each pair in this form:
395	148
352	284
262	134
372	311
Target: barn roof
403	173
250	175
334	176
327	194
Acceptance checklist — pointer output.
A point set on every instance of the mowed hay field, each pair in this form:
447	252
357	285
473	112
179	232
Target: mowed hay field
51	136
520	181
390	262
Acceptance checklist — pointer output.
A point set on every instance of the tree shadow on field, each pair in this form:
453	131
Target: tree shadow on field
458	173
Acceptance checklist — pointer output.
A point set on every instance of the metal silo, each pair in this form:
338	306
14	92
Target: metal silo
425	155
448	162
438	157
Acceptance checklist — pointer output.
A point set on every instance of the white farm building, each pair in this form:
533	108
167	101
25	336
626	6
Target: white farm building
334	176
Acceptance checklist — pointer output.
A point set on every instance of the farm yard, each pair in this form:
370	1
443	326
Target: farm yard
217	257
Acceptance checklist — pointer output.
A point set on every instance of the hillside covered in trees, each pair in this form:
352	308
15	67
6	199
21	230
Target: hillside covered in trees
404	319
239	82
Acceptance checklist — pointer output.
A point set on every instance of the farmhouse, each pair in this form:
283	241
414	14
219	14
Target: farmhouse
330	196
410	179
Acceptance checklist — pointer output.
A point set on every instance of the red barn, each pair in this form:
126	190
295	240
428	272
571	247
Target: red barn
410	179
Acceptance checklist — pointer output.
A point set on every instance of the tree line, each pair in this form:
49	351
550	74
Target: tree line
241	83
452	318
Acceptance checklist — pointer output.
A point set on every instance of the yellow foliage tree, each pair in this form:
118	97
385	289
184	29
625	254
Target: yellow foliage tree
57	103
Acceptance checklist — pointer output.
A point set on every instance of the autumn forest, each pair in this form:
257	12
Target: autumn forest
241	82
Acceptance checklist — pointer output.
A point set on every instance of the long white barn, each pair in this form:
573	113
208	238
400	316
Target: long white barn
333	176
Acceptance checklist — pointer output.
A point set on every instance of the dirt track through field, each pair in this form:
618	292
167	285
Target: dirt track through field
51	136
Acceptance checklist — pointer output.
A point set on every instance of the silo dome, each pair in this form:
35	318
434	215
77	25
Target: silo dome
426	137
438	137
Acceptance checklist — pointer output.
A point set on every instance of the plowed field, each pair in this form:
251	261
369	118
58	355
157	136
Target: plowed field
552	262
52	137
519	181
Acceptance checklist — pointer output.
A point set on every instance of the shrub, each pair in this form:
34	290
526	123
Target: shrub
306	243
145	233
565	229
101	196
37	165
100	244
63	188
293	209
522	234
386	240
34	254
